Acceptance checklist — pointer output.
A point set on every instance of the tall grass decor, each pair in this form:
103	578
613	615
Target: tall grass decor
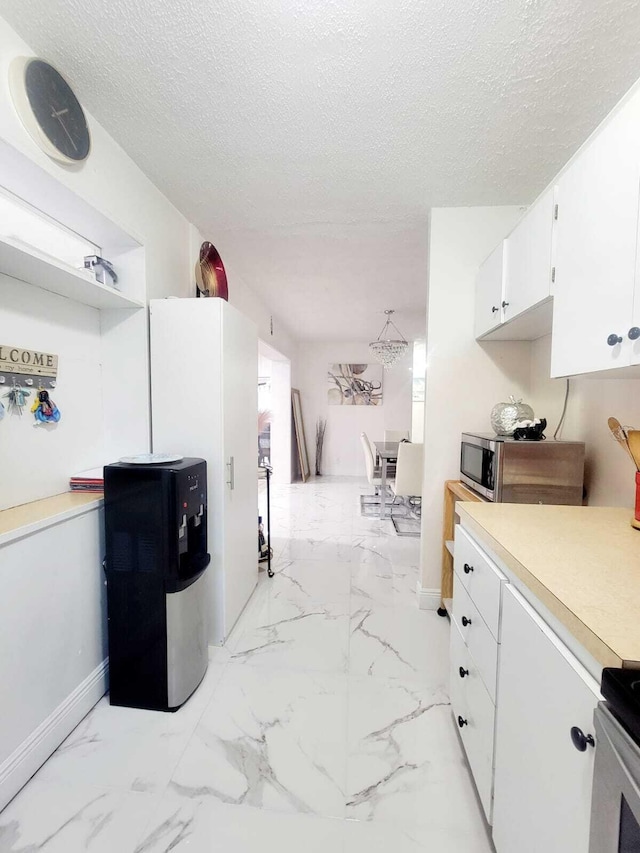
321	426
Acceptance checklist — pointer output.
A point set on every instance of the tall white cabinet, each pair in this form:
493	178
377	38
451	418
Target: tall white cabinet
204	369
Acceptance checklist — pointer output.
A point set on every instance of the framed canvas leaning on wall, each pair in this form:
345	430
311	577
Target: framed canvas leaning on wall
303	456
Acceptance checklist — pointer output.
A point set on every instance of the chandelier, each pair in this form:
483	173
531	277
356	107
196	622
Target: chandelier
388	350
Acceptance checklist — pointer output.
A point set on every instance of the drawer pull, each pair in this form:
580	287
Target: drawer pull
580	740
467	568
462	722
463	672
465	621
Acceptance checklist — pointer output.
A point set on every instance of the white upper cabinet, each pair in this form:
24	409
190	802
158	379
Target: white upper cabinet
597	233
514	285
489	292
528	269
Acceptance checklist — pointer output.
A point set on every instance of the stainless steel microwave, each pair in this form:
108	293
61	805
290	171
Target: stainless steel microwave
504	470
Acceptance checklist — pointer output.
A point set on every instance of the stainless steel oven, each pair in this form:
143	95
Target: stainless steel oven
528	472
615	813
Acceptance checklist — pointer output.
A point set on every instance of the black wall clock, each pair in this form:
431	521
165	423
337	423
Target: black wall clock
49	110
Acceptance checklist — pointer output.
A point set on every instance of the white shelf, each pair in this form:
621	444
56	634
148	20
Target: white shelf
27	264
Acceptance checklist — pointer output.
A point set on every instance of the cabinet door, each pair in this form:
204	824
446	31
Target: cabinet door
542	793
596	239
240	441
528	259
489	292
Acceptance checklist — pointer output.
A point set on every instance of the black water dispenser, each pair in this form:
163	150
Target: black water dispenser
156	560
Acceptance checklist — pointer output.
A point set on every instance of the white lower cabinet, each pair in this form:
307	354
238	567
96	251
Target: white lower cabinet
476	636
480	577
474	713
475	628
542	784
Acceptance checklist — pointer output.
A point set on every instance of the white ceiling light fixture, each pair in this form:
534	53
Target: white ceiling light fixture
388	350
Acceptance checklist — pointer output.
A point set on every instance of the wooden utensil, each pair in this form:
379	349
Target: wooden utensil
633	440
617	431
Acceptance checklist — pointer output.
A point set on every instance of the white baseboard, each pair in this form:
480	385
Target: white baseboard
428	599
24	761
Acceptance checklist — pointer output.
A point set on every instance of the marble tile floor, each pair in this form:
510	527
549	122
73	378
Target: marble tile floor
323	724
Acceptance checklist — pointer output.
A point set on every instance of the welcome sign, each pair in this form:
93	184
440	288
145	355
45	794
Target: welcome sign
28	362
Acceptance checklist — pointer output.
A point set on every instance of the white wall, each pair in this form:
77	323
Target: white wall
610	474
342	449
464	379
37	462
112	183
53	590
34	463
245	297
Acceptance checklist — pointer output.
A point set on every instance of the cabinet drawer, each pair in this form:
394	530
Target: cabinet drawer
478	638
480	577
472	704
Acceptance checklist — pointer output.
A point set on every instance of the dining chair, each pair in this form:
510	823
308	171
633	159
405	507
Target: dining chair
373	473
396	434
391	466
408	485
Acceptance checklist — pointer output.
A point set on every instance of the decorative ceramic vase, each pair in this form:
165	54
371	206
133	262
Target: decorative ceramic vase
211	278
505	416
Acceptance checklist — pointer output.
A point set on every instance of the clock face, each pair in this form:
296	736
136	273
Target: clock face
50	111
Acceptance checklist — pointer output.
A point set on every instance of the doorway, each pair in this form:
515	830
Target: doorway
274	412
419	371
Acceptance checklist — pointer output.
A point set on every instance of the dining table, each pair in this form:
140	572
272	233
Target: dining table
387	452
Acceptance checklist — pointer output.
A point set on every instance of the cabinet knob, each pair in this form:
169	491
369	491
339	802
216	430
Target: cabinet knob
467	568
580	740
463	672
494	309
462	722
465	621
612	340
505	304
634	333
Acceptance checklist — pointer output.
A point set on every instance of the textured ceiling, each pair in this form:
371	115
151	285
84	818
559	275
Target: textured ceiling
308	138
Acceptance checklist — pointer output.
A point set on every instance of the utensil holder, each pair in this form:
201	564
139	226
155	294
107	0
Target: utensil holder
635	521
